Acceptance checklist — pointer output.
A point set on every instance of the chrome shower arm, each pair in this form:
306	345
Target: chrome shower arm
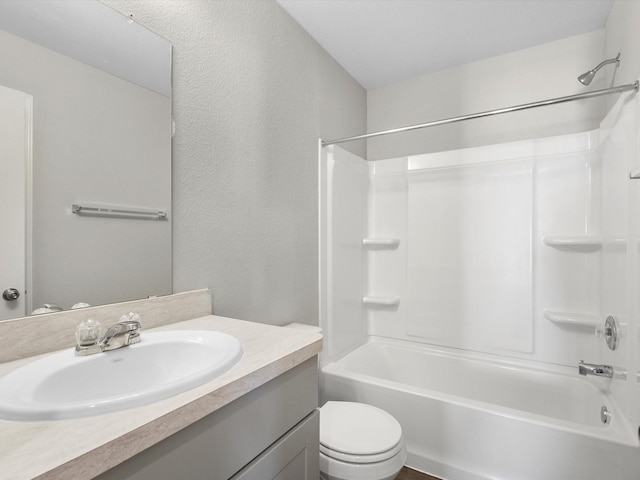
615	60
586	77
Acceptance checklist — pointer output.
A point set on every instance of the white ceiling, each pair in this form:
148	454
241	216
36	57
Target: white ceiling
380	42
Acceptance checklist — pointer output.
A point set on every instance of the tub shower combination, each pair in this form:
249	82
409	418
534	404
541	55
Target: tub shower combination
485	298
467	418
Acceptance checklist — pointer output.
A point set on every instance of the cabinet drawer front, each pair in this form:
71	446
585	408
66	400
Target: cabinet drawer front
295	456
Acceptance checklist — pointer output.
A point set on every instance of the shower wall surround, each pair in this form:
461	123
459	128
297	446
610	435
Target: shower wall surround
469	279
514	250
344	182
477	274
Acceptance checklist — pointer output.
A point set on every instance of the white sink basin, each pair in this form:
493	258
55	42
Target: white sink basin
63	385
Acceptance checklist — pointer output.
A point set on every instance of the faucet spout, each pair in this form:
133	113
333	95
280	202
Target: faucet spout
123	333
596	370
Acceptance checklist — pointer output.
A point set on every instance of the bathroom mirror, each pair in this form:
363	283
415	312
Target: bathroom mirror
100	87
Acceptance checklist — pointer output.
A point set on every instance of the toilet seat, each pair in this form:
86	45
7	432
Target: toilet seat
358	433
362	459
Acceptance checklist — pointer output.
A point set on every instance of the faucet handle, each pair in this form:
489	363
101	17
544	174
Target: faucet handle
131	321
610	332
88	334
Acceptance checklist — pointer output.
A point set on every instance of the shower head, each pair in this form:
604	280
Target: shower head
586	77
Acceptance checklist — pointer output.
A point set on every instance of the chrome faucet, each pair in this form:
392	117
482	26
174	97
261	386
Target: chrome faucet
597	370
89	339
123	333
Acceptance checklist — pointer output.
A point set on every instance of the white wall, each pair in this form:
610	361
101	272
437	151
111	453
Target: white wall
529	75
537	73
252	94
90	128
622	35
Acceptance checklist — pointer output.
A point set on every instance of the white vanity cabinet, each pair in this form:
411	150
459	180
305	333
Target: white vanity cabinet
271	432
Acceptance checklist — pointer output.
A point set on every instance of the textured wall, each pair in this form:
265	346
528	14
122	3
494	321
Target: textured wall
252	94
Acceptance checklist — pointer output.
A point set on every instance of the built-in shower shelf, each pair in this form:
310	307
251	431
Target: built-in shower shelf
381	300
594	241
572	318
573	241
381	242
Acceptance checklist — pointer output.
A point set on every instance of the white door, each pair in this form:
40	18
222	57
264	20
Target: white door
15	165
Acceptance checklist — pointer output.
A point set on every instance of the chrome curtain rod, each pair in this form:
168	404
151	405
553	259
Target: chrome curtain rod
526	106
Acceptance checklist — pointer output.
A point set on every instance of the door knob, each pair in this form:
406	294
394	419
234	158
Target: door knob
11	294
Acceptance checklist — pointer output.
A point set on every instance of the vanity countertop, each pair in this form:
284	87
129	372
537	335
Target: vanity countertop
85	447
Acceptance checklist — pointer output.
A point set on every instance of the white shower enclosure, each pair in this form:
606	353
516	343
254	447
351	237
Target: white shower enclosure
513	254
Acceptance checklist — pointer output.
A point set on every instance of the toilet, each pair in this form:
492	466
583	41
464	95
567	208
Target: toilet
358	441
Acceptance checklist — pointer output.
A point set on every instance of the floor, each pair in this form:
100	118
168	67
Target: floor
408	474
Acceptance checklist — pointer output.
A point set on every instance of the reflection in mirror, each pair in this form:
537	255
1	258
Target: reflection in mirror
100	86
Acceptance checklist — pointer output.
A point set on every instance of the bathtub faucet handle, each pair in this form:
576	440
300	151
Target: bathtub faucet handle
610	332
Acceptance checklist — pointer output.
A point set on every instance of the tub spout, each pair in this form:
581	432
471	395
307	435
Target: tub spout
597	370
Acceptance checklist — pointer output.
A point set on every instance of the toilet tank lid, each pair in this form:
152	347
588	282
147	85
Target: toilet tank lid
357	428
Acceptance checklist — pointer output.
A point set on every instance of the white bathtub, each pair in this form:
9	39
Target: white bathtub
469	418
